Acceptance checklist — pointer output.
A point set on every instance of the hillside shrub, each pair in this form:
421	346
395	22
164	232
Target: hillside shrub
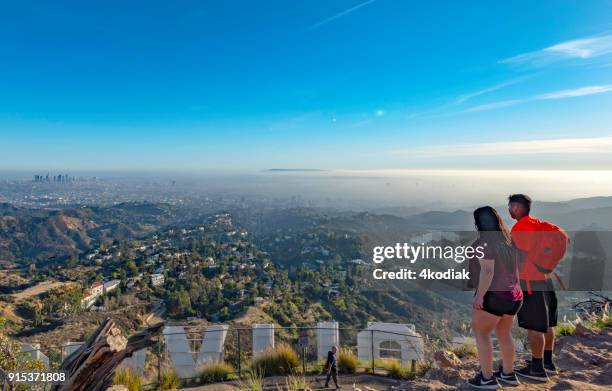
252	381
282	360
11	357
297	383
564	328
604	320
215	372
170	380
395	369
128	377
466	350
347	361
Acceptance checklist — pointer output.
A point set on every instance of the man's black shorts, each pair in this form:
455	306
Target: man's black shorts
539	310
498	306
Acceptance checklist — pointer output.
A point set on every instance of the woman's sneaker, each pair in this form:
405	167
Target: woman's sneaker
481	383
530	373
508	379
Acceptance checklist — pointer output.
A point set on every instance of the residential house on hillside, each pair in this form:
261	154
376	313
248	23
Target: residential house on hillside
92	294
88	300
157	279
97	289
259	301
110	285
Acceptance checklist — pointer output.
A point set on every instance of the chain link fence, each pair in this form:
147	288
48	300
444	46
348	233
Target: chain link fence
184	351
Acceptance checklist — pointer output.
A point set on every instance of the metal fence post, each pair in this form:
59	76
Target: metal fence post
239	352
159	375
372	342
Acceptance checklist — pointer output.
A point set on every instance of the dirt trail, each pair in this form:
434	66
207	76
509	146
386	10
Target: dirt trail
584	363
38	289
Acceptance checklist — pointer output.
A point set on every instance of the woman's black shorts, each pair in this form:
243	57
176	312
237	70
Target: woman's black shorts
498	306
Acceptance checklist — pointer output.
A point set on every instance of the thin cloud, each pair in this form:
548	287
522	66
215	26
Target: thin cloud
495	105
563	94
583	48
591	90
339	15
443	110
599	145
464	98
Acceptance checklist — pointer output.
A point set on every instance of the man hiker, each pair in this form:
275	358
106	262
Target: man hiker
332	367
542	245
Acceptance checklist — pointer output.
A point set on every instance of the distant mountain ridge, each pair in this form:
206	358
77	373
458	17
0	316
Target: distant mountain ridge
39	234
582	213
42	234
294	170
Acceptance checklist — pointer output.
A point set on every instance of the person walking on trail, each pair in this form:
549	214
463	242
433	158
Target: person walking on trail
542	246
331	366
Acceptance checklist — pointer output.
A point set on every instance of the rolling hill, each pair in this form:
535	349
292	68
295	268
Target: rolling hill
43	234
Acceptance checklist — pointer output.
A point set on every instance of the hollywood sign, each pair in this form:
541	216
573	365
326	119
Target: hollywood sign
187	353
186	360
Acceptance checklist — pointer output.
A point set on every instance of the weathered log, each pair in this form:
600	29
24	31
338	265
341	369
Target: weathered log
92	366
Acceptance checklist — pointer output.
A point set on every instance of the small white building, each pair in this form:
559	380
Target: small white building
110	285
87	301
157	279
91	295
97	289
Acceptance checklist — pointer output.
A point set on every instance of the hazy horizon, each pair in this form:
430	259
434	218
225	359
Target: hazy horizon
444	188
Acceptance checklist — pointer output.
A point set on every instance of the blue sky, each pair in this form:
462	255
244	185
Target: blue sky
349	84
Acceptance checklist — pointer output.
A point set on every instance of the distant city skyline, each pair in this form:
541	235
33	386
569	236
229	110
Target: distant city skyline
343	85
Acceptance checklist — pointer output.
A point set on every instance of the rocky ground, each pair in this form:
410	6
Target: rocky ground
584	360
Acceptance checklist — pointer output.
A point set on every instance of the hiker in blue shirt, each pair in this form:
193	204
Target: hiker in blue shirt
331	365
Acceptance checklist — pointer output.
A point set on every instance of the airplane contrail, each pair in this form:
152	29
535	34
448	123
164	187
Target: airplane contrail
339	15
